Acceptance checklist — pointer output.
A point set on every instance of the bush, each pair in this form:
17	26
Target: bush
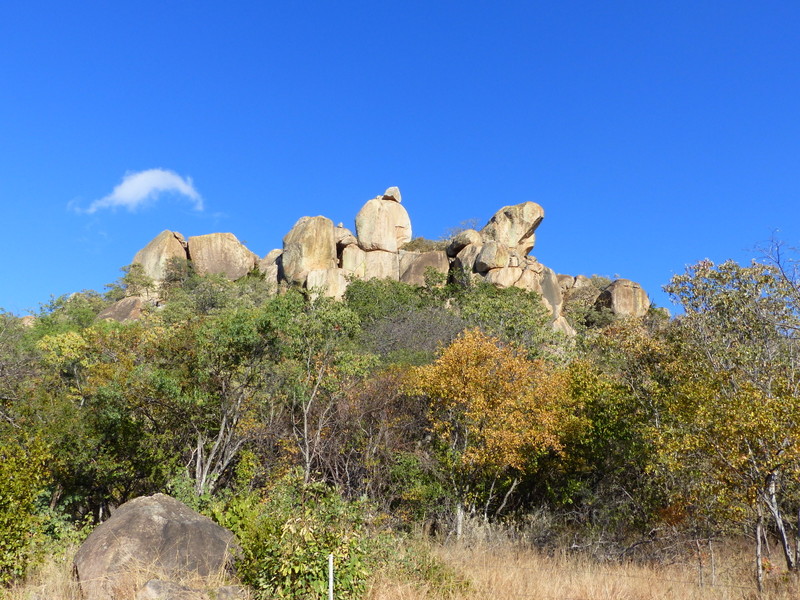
23	475
286	539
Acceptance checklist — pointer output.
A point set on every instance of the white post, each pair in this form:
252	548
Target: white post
330	577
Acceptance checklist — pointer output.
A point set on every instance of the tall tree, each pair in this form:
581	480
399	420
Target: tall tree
735	409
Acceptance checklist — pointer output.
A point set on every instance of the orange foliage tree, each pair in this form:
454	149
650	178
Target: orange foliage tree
492	412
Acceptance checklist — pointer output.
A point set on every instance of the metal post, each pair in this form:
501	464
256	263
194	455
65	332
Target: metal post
330	577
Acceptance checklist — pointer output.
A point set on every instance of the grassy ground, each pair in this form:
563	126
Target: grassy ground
502	572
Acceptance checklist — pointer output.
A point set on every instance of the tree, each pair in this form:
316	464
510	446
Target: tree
735	413
492	412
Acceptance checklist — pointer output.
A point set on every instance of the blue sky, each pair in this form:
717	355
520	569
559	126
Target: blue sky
654	134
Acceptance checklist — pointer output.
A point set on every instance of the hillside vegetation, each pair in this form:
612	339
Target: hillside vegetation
311	426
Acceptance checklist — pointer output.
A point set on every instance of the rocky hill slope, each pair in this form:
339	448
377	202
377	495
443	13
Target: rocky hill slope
323	257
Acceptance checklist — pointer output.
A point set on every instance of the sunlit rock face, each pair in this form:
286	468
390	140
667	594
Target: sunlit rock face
324	258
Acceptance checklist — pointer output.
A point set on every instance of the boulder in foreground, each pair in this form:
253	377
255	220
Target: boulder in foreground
154	536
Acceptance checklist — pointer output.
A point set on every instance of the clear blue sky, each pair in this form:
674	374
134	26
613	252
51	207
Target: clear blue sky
654	134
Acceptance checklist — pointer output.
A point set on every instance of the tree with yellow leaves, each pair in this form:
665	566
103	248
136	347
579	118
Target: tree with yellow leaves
734	409
492	411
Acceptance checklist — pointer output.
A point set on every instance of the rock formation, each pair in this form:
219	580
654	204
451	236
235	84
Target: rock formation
324	258
155	257
220	254
153	535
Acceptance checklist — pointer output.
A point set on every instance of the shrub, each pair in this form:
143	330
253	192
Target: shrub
23	475
287	536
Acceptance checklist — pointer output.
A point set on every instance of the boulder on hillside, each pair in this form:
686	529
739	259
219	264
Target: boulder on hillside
343	237
221	254
461	240
414	265
625	298
504	277
123	311
155	256
381	265
309	246
393	194
465	259
155	537
492	256
383	225
331	283
354	260
514	226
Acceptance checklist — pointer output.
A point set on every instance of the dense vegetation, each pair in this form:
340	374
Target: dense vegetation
310	426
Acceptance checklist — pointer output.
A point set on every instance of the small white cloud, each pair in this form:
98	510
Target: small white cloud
143	187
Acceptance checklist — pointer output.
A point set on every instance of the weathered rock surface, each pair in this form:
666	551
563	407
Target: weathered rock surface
323	258
413	265
465	260
221	254
354	260
156	589
462	240
514	226
392	193
505	277
331	283
625	298
309	246
344	237
383	225
152	534
491	256
381	265
155	256
125	310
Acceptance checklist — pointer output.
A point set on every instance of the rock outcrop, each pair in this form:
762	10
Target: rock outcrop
155	257
309	246
127	309
323	258
156	536
625	298
221	254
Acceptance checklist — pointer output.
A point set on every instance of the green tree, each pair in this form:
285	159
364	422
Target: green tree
734	410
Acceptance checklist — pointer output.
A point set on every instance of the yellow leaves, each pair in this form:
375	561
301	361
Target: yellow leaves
492	405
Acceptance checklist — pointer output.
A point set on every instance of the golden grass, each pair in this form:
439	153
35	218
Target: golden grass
502	572
54	580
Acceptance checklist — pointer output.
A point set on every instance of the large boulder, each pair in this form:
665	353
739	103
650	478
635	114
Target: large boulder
383	225
492	256
381	265
465	260
625	298
414	265
152	537
155	256
463	239
123	311
331	283
221	254
309	246
514	226
354	260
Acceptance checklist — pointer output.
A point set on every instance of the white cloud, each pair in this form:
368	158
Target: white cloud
137	189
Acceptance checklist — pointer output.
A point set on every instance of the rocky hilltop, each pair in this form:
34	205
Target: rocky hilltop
324	257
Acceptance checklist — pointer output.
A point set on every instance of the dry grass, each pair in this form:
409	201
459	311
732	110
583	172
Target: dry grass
54	580
502	572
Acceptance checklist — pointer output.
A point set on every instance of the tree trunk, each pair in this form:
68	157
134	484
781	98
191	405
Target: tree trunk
459	520
759	561
771	497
